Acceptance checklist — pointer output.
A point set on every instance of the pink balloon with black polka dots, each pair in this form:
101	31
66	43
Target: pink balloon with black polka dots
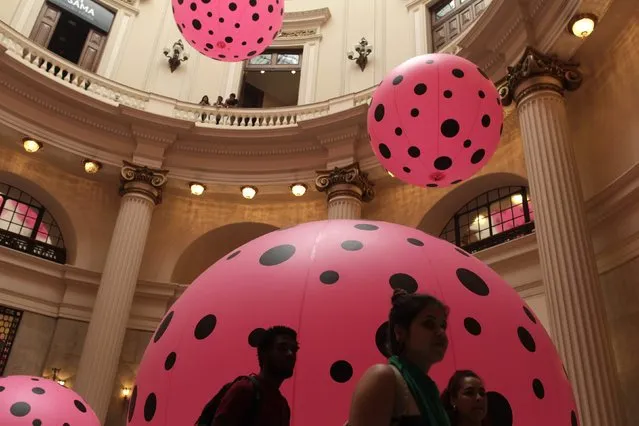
229	30
435	120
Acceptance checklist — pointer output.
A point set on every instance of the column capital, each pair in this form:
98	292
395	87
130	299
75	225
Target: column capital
536	71
142	180
348	181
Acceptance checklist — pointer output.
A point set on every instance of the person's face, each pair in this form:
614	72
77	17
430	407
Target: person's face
232	96
282	357
470	401
205	99
426	339
220	99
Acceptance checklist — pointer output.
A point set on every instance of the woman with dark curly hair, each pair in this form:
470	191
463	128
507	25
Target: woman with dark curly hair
465	399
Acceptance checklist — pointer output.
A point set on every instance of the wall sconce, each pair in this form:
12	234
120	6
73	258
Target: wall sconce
31	145
176	55
249	192
582	25
55	377
126	393
92	166
363	49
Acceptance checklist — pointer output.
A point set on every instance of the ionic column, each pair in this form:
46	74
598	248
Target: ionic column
141	190
346	188
574	295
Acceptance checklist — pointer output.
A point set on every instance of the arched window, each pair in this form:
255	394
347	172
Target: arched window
25	225
492	218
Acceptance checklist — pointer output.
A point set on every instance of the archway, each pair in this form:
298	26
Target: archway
210	247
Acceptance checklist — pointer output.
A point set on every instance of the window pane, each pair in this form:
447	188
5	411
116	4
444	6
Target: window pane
263	59
444	10
288	59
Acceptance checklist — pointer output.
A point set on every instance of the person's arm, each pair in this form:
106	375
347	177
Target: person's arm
374	398
235	405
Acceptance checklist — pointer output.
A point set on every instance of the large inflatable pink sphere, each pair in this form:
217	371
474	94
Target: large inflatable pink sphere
332	282
34	401
229	30
435	120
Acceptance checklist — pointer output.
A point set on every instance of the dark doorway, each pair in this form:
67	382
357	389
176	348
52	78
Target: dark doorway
69	37
252	97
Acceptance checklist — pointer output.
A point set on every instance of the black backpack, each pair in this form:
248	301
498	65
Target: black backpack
209	411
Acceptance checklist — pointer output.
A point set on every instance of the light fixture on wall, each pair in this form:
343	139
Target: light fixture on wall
197	188
92	166
298	189
31	145
56	378
517	199
176	55
249	192
363	49
582	25
125	393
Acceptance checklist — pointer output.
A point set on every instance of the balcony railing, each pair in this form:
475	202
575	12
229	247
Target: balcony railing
70	75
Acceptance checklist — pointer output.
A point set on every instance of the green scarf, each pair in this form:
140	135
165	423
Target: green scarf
424	390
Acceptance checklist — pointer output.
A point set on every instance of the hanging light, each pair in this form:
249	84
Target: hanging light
517	199
31	145
91	166
298	189
197	188
249	192
582	25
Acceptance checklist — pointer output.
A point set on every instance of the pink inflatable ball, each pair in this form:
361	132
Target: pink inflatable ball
34	401
229	30
332	281
435	120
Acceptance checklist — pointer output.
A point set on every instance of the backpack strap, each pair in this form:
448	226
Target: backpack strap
257	398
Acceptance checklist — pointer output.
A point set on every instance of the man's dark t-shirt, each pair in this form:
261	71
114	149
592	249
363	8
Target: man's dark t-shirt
235	407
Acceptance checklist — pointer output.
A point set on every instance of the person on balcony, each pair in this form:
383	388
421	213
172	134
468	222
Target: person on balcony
204	102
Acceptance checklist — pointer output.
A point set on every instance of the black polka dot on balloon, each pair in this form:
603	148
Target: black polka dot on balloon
450	128
381	340
398	131
406	169
472	282
221	56
80	406
20	409
134	398
472	326
366	227
404	282
430	61
414	152
270	8
538	388
431	185
180	2
260	40
341	371
397	80
36	422
251	53
232	7
197	24
481	94
530	315
573	419
232	255
420	89
384	150
485	120
228	39
209	45
169	362
193	6
1	388
499	410
209	14
460	251
33	379
379	112
467	143
243	43
443	163
255	337
414	112
210	32
448	94
221	20
526	339
458	73
149	407
477	156
276	255
352	245
455	182
38	391
255	17
163	326
253	2
415	242
329	277
205	327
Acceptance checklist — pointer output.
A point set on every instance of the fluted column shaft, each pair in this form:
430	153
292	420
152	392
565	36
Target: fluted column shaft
574	295
346	188
103	343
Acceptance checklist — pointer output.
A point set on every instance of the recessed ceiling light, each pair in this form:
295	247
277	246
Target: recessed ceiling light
92	167
298	189
31	145
249	192
582	25
197	188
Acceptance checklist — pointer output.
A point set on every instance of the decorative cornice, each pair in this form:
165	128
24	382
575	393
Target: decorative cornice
306	18
142	180
348	180
564	76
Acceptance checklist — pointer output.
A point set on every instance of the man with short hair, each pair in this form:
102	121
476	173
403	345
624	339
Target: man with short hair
256	400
